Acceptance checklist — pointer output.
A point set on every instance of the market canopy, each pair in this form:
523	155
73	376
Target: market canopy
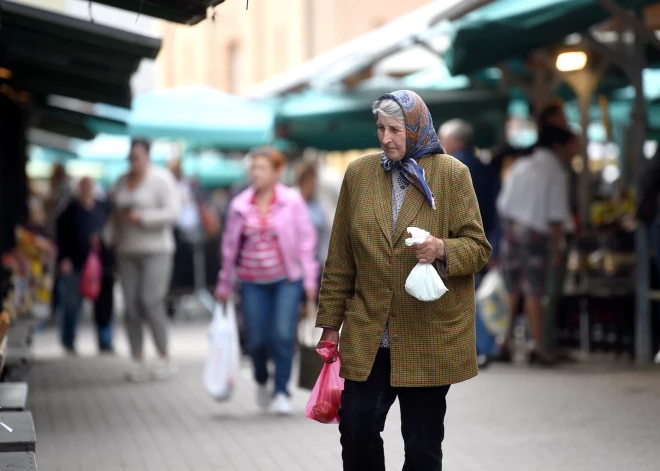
344	121
52	54
506	29
203	117
188	12
75	124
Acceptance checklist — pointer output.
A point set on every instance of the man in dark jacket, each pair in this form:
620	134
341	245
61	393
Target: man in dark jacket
78	232
456	138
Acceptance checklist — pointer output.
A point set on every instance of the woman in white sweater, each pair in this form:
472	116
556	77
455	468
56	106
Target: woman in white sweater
146	209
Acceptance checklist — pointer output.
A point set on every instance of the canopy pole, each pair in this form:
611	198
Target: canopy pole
633	66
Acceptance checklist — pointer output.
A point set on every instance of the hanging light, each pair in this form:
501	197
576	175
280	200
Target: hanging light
571	61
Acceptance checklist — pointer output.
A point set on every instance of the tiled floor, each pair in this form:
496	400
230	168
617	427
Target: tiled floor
510	419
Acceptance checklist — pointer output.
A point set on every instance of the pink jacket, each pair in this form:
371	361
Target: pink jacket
296	235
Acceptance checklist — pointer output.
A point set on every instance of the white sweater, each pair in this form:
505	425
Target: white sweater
156	199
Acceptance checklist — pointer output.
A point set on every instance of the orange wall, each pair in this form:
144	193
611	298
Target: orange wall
269	38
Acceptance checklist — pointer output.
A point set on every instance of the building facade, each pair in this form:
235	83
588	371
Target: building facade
238	48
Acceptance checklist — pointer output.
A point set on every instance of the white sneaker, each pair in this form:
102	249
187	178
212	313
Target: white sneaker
138	373
264	396
163	369
282	405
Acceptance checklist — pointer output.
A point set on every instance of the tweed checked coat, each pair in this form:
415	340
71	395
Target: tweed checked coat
363	286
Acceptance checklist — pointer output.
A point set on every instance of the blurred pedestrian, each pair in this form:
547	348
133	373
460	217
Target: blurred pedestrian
307	179
59	196
552	114
78	233
393	345
534	208
456	137
269	245
146	208
187	233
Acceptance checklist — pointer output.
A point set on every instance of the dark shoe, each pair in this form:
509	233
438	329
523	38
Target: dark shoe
106	351
483	361
504	356
71	351
542	359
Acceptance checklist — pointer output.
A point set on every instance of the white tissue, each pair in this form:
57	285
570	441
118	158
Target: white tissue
424	282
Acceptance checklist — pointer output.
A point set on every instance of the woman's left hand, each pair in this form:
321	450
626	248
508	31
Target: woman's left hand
311	294
432	249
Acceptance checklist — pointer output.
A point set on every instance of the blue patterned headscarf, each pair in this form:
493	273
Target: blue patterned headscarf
421	140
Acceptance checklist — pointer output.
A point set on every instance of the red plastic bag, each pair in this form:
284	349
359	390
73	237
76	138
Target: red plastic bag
323	405
90	278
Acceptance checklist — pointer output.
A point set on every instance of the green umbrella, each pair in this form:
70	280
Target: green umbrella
203	117
506	29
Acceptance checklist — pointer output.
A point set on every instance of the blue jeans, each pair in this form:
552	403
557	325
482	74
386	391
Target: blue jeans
271	315
70	305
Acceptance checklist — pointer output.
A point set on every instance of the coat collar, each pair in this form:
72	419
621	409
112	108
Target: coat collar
412	203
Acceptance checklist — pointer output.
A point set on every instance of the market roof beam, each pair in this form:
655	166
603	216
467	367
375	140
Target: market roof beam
59	26
188	12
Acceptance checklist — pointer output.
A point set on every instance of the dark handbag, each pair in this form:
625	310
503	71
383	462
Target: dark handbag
310	361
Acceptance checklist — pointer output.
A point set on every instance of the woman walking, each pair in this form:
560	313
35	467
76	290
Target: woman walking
145	211
393	345
269	245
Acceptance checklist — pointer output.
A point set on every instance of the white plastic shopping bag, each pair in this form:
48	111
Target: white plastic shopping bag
222	365
493	303
424	282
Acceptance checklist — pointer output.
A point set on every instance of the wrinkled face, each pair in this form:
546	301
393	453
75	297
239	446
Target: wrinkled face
262	173
139	158
392	137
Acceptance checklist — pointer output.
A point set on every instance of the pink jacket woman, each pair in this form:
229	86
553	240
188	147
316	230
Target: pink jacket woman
269	244
296	236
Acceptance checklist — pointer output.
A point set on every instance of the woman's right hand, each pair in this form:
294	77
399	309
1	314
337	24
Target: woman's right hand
330	335
222	298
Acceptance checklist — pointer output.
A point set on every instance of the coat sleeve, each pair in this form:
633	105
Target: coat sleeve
467	248
338	283
307	247
231	241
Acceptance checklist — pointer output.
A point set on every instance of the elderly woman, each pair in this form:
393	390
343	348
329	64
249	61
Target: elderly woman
393	345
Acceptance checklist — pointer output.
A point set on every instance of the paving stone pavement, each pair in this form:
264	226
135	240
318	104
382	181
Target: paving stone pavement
515	419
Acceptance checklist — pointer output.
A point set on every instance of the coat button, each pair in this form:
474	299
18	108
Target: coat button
396	337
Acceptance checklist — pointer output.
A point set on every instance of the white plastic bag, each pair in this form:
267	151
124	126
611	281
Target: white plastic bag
223	363
493	303
424	282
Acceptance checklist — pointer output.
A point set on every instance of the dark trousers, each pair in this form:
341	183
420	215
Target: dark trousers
364	408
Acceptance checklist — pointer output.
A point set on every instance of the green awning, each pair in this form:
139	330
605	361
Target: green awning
202	117
53	54
74	124
334	121
506	29
211	169
189	12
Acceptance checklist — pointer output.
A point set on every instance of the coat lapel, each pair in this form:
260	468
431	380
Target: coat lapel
383	205
414	200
